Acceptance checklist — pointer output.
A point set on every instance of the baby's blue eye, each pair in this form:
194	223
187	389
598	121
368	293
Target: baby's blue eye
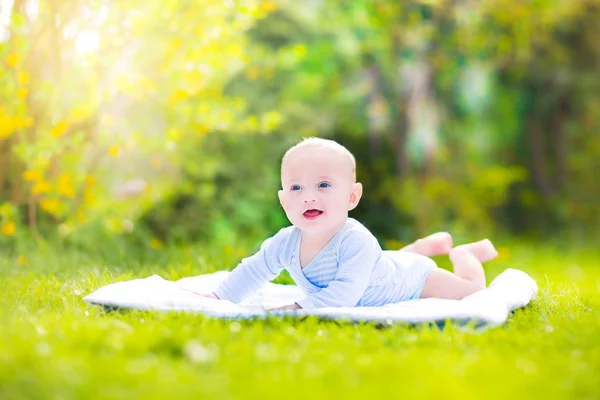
324	185
295	187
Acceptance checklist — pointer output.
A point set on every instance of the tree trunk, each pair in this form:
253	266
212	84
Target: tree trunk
559	144
538	158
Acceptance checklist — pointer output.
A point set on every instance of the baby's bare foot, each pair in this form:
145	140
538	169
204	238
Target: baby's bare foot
433	245
483	250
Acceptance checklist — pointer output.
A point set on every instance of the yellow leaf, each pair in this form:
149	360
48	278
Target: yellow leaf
88	198
174	134
194	81
40	187
59	129
81	217
26	122
156	163
271	120
299	51
236	49
32	175
252	73
240	253
394	244
9	228
156	244
6	210
12	59
51	206
4	132
252	122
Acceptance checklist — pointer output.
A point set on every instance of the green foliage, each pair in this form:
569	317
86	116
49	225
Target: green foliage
119	113
166	122
54	345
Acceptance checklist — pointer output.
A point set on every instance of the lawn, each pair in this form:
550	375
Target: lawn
54	346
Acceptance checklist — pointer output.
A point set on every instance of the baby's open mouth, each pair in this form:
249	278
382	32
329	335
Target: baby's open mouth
312	213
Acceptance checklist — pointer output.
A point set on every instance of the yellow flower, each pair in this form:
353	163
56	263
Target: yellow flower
32	175
9	124
22	260
59	129
202	129
12	59
114	151
268	6
80	113
40	187
22	93
9	228
51	206
23	78
156	244
90	180
178	96
64	185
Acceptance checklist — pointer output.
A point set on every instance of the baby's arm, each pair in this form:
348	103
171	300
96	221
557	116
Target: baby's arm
358	254
252	272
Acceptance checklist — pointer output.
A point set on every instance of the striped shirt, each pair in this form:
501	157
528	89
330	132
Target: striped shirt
351	270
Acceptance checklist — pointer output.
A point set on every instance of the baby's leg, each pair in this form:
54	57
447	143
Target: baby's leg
433	245
468	276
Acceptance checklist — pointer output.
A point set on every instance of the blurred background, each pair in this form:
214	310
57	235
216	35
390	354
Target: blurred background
151	124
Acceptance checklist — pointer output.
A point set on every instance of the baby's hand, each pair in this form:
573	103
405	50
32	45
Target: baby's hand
288	307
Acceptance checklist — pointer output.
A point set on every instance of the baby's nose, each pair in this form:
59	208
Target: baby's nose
309	197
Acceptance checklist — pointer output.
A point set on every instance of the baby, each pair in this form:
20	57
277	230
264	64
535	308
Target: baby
335	259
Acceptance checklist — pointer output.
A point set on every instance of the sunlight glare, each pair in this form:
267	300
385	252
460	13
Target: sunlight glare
87	41
5	12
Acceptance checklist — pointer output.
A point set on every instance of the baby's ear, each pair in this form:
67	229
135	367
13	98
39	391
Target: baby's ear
280	194
355	196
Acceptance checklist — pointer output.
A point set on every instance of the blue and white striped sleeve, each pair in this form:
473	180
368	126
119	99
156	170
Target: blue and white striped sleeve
359	252
253	272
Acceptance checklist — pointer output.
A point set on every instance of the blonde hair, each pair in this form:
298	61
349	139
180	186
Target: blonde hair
326	143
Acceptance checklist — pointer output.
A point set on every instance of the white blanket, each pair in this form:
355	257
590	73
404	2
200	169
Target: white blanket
510	290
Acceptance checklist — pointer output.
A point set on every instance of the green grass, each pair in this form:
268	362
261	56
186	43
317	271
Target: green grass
54	346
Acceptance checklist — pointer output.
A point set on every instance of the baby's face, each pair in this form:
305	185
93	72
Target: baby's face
317	189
